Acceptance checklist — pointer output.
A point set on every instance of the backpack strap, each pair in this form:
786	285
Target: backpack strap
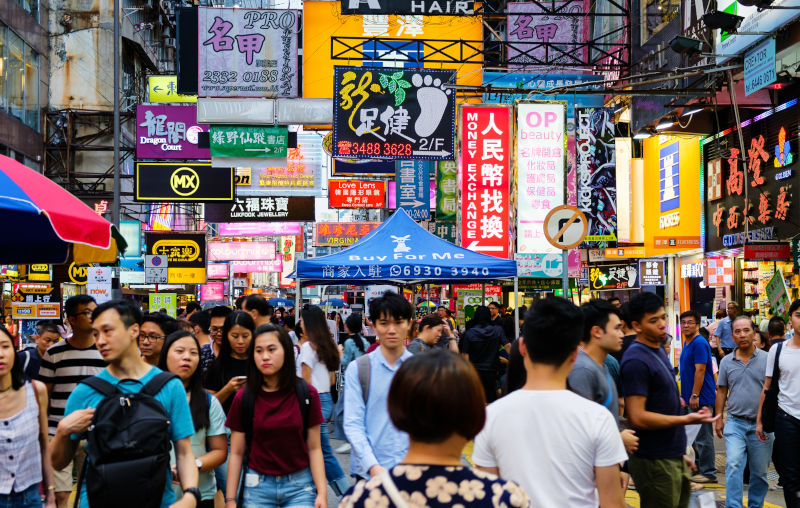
157	383
100	385
27	360
776	370
363	375
304	400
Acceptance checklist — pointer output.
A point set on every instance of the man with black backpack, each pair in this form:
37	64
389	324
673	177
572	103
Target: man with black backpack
128	413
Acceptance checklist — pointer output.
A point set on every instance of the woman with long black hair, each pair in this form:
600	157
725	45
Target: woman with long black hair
181	356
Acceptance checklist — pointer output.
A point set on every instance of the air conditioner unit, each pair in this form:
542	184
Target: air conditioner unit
169	42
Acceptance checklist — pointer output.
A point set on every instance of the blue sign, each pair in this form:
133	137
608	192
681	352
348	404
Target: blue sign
759	66
536	81
413	187
669	181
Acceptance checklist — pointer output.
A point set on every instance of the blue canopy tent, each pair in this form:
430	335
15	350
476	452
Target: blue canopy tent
402	251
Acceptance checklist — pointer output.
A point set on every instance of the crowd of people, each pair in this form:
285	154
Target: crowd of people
231	406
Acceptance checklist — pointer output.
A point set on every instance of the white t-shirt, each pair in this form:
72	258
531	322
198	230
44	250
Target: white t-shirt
320	377
549	442
789	384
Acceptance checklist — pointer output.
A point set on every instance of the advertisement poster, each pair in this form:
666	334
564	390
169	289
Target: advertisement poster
247	52
356	194
259	228
287	255
166	301
341	233
446	190
529	33
185	255
539	265
298	174
212	292
393	113
217	270
778	296
269	266
248	141
485	165
412	188
596	174
608	277
168	132
241	251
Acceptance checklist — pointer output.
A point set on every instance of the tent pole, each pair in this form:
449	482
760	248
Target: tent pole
427	298
483	293
297	299
516	307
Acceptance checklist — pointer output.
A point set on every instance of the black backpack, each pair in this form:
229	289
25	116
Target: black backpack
128	446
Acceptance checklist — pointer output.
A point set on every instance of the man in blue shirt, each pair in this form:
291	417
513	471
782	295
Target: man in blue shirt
376	443
116	327
723	333
698	391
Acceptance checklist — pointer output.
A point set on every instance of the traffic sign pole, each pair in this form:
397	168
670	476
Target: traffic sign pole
565	272
565	227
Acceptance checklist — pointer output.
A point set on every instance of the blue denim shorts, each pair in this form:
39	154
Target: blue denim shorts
28	498
295	490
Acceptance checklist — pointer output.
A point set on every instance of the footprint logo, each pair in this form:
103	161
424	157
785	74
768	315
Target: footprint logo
432	98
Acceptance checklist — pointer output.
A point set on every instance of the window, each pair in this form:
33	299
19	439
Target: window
19	78
656	14
31	7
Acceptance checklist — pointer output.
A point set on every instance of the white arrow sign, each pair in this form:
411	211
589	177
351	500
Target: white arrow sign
485	248
431	153
265	149
414	203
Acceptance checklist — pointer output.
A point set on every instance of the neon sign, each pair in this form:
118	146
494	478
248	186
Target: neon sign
783	151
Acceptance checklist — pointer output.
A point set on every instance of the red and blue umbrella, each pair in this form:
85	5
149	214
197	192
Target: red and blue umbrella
43	223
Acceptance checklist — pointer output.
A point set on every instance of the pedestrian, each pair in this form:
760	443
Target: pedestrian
723	331
562	449
740	383
430	329
783	362
191	309
355	346
629	334
12	328
64	365
653	404
377	444
31	358
259	309
289	325
276	453
480	345
318	361
448	338
116	325
200	328
616	302
776	329
23	435
698	391
181	356
154	329
432	474
495	318
216	317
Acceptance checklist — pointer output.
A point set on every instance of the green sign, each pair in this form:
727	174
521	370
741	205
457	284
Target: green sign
796	251
778	296
166	301
446	190
446	230
248	141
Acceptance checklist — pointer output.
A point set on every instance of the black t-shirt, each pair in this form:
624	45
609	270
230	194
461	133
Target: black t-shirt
626	343
220	373
646	371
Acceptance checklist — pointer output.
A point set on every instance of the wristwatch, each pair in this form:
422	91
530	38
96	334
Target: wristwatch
195	492
199	463
694	396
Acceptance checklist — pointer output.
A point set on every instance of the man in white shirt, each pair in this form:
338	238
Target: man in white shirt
562	449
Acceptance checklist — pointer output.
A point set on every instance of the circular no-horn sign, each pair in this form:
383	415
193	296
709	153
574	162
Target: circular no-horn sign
565	227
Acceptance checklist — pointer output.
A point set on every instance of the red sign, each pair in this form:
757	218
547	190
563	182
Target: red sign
356	194
494	291
484	173
342	233
767	252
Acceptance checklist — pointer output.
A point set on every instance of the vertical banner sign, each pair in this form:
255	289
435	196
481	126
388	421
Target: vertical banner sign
446	190
541	163
413	188
247	52
597	178
287	254
485	162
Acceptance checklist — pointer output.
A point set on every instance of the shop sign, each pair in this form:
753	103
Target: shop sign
287	255
624	252
99	275
165	89
217	271
241	251
412	184
341	233
40	273
247	52
156	181
444	229
492	292
539	81
539	265
416	7
10	272
755	21
391	194
100	292
446	190
299	174
778	296
393	114
355	167
719	271
541	165
767	252
259	228
527	29
796	251
34	301
356	194
243	177
260	209
608	277
161	217
77	273
270	266
184	253
249	141
166	301
596	174
485	134
131	231
531	285
168	132
212	292
759	66
653	272
693	270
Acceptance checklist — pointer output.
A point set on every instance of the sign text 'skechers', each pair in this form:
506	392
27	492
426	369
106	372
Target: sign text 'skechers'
183	182
185	254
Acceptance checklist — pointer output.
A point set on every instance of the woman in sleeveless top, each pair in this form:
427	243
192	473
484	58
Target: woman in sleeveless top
23	407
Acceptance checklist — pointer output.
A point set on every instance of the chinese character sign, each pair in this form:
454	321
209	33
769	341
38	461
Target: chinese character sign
259	209
412	188
393	113
485	162
541	163
596	174
529	34
341	233
446	190
356	194
247	52
241	251
608	277
168	132
248	141
298	174
287	254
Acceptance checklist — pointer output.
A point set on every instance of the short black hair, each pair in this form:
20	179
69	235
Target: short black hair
73	302
552	330
496	304
193	306
776	326
167	324
643	303
289	322
794	306
239	301
692	314
259	304
482	314
17	372
129	313
201	319
430	321
614	299
354	322
219	311
47	326
390	304
596	312
287	376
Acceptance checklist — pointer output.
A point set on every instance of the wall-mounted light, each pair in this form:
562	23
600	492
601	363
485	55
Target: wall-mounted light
666	123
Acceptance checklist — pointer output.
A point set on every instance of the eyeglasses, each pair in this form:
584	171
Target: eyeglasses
87	313
151	338
215	330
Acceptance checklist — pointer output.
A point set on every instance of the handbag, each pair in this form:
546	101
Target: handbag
770	405
391	490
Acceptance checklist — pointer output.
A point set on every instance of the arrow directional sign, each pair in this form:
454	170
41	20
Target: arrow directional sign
474	246
266	149
413	188
432	153
156	88
411	204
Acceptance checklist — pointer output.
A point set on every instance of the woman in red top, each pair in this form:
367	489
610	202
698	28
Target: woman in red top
284	466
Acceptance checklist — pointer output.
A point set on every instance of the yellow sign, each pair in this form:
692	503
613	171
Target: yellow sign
48	310
23	310
40	273
77	274
184	181
243	176
165	89
672	167
323	20
183	251
186	275
626	252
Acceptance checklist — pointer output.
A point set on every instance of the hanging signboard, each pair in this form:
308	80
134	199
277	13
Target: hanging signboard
269	266
485	152
596	174
299	174
259	228
412	184
168	132
40	273
241	251
260	209
356	194
287	255
184	253
446	190
165	89
608	277
759	66
653	272
166	301
444	229
249	141
778	296
341	233
35	301
529	32
247	52
362	167
719	271
767	252
540	265
417	7
391	194
217	270
212	292
757	23
161	181
393	113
